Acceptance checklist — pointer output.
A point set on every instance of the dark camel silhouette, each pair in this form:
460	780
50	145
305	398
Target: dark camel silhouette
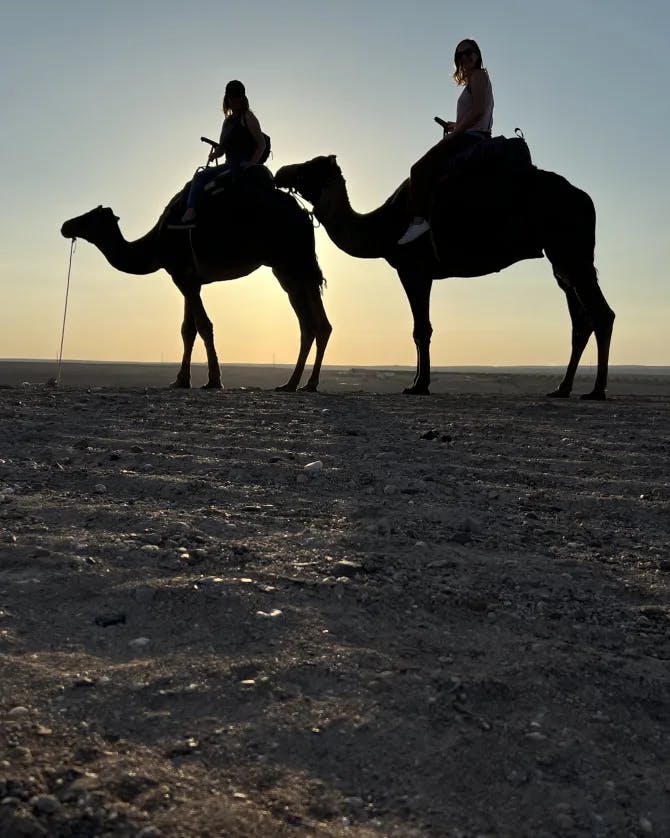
480	224
248	225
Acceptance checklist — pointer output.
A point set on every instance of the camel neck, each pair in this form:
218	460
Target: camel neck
136	257
364	235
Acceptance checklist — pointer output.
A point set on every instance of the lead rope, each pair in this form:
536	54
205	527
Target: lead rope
67	294
310	212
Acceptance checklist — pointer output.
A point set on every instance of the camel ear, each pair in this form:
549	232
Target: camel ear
332	158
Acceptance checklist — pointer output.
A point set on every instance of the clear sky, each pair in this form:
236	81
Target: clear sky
104	103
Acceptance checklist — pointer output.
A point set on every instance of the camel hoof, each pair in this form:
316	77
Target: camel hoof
416	391
559	394
180	385
285	388
212	385
309	388
594	396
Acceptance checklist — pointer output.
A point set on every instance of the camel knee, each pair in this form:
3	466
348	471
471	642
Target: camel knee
422	334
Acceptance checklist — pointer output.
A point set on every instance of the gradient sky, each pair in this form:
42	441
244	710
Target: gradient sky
104	103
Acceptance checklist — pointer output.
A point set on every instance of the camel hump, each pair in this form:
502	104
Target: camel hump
504	155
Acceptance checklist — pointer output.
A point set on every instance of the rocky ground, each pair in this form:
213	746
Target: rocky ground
261	614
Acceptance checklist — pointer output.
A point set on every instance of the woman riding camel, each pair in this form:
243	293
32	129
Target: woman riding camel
474	120
241	141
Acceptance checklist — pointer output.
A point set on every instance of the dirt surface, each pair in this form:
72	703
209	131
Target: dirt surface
458	625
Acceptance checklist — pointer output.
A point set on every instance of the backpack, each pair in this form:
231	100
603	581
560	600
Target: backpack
268	144
266	153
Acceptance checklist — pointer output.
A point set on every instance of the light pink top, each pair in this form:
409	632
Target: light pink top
464	108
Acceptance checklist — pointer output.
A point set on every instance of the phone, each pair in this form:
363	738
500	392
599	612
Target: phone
441	122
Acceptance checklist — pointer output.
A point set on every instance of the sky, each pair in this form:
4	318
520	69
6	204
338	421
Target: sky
105	102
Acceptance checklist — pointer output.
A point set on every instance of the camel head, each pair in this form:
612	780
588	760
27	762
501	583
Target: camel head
91	225
309	179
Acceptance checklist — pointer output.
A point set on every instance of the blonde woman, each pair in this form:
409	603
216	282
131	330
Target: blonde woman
474	120
241	142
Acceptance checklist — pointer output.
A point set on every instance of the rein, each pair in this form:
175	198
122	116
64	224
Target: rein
73	247
292	190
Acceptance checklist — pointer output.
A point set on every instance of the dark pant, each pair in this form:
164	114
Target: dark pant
426	172
203	176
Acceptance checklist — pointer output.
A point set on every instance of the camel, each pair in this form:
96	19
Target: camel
248	224
513	216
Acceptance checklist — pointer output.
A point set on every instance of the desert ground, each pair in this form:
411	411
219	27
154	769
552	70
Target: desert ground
351	613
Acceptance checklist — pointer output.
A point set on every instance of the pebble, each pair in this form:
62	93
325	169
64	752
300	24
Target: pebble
17	712
87	782
646	826
139	642
45	804
111	619
100	488
347	567
269	615
314	467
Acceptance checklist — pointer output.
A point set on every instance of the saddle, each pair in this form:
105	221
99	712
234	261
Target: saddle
253	178
492	185
499	155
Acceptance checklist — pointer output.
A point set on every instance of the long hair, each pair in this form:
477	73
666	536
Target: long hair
458	75
227	109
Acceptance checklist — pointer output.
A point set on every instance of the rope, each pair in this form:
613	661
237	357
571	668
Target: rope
67	294
310	212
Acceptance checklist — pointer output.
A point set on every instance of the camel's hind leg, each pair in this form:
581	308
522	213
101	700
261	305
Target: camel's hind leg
589	313
322	330
314	325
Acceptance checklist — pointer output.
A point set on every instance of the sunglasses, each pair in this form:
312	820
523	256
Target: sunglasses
464	53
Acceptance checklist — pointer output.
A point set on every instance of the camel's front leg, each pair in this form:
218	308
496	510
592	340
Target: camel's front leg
581	332
188	333
418	287
206	331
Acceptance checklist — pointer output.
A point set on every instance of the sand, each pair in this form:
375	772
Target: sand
456	625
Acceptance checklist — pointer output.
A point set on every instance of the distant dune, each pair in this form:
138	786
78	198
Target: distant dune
534	380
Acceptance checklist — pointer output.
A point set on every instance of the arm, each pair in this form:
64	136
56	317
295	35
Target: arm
255	130
219	150
478	84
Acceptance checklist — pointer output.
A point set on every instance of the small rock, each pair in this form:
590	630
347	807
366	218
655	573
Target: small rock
646	826
100	488
87	782
313	468
429	435
347	567
111	619
17	712
139	642
45	804
269	615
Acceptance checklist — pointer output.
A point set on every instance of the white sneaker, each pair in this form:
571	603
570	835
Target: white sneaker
417	228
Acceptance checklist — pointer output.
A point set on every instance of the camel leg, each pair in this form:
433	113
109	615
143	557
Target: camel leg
589	312
322	331
188	333
581	332
602	317
205	329
417	287
306	302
